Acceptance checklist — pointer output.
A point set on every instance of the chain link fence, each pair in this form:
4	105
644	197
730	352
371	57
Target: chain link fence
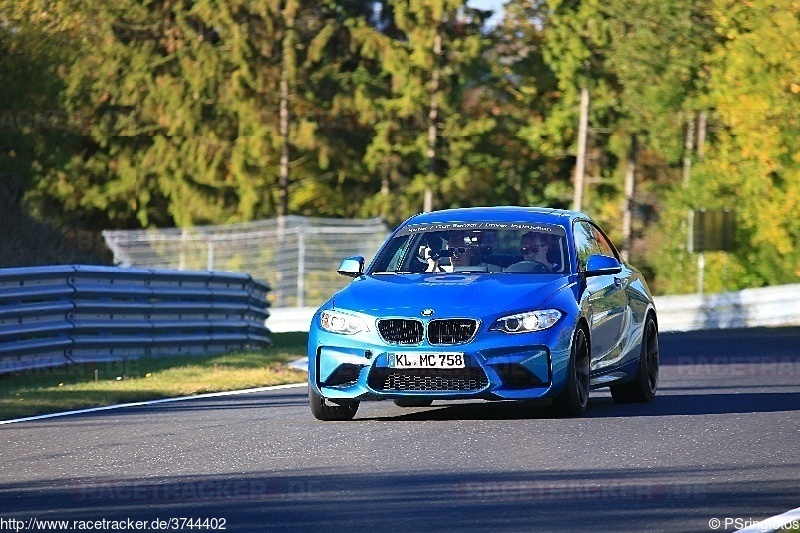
297	256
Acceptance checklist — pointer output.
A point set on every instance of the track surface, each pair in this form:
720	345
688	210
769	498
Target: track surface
720	440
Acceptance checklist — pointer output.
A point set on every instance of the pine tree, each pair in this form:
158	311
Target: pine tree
428	52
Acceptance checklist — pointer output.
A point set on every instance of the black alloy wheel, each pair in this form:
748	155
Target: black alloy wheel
573	399
644	386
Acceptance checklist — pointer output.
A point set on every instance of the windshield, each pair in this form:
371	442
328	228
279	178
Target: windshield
501	247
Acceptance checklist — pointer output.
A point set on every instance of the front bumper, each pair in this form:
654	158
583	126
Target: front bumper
498	366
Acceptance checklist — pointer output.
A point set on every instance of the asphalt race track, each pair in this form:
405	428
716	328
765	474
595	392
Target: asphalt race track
720	441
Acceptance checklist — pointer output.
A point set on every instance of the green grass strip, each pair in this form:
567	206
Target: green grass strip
52	390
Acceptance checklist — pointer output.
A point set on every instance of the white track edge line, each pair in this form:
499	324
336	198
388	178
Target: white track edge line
153	402
773	523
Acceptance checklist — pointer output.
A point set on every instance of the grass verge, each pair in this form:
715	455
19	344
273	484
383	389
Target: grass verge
51	390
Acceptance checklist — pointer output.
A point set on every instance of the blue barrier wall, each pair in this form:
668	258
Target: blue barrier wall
57	315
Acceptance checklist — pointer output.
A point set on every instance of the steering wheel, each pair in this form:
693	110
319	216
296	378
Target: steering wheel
541	267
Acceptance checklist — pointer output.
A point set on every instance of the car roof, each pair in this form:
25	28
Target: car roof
500	214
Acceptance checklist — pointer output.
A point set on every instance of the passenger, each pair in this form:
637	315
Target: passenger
462	252
429	252
465	252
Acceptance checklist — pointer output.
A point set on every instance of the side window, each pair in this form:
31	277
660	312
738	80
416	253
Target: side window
584	243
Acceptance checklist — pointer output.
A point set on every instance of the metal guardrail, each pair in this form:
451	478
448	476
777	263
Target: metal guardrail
57	315
749	308
765	307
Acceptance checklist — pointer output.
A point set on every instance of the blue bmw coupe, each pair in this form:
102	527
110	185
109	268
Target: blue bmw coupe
495	303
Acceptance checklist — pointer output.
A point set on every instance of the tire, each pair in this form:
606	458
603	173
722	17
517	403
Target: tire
323	409
644	386
573	399
413	402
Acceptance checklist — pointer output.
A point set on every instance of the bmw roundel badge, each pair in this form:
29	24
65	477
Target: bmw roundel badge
427	312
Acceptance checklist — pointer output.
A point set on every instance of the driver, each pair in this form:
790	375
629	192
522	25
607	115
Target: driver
533	246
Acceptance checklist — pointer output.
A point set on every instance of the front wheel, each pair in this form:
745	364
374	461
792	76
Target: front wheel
573	399
643	387
323	409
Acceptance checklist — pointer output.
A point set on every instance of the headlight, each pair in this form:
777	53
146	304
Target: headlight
344	323
526	322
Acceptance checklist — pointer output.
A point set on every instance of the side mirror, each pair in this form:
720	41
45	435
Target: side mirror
601	265
352	266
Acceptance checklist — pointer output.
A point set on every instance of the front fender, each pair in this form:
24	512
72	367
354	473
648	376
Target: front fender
565	301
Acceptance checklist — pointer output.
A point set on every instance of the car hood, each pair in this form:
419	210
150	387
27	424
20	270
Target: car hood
477	294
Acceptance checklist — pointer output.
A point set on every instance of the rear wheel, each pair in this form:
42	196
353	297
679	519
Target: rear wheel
573	399
644	385
324	409
413	402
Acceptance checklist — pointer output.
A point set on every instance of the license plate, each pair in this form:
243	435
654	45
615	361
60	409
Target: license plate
426	360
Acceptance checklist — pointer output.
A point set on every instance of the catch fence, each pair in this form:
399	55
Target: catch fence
297	256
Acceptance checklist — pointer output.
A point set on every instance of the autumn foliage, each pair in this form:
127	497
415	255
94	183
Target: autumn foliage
131	114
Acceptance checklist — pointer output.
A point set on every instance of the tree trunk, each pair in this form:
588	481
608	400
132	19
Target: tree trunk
630	189
580	163
433	116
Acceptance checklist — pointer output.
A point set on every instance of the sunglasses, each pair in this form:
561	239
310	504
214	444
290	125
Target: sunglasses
531	249
453	250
